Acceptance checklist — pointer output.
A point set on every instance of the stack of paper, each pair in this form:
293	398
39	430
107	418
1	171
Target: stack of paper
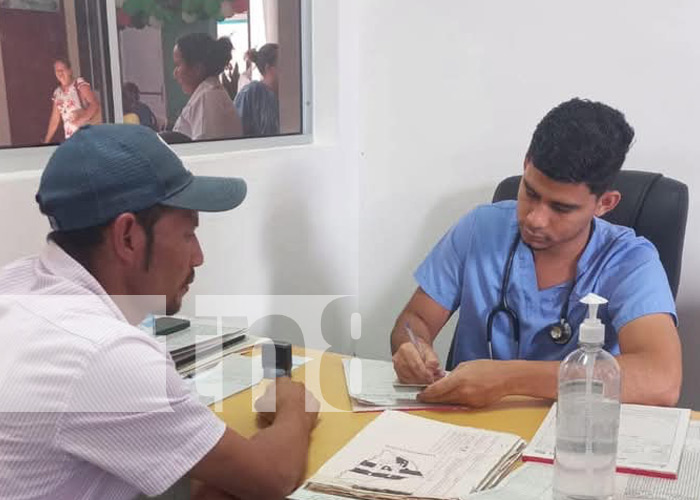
534	481
188	354
399	455
373	386
650	441
202	345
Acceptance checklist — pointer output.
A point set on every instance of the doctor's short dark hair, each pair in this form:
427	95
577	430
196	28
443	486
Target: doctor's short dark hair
581	141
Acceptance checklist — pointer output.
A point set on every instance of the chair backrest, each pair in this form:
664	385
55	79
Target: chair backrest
655	206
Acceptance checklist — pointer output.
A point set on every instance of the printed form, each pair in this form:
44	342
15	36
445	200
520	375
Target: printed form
401	455
650	442
534	481
372	386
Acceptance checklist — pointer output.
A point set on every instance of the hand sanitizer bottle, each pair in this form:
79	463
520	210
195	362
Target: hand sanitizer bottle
588	415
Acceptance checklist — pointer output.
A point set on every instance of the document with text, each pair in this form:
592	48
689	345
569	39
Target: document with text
399	455
534	481
373	386
650	441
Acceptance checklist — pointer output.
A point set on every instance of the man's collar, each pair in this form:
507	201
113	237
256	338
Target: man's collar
59	263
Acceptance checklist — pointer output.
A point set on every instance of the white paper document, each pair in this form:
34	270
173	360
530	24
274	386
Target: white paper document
529	482
686	487
650	441
534	481
402	455
373	386
196	333
232	374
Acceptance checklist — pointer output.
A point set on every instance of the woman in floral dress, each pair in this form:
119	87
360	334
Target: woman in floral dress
74	102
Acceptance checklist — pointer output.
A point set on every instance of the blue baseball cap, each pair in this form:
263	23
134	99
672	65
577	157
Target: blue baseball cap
103	171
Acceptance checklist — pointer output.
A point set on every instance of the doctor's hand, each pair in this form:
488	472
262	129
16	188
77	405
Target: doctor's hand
412	368
473	383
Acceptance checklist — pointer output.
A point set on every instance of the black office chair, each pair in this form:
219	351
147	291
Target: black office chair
655	206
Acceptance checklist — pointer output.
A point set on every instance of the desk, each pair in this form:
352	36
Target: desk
521	416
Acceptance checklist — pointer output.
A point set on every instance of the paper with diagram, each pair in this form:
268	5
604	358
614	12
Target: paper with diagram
403	455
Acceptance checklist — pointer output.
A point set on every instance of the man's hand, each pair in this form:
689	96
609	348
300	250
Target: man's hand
473	383
410	366
282	396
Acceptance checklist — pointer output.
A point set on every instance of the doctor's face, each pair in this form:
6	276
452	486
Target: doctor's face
553	213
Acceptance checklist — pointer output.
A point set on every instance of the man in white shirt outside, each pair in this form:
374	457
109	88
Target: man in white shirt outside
91	407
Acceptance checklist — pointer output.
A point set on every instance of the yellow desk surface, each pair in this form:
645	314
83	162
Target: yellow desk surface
521	416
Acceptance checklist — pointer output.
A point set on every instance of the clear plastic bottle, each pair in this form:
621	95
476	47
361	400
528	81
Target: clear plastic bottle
588	415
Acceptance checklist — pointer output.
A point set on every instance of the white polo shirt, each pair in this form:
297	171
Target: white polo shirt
91	407
209	114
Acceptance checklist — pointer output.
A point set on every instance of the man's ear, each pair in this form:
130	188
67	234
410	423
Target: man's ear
127	238
607	201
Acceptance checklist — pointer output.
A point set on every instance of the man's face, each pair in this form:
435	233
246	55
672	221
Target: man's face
552	213
174	255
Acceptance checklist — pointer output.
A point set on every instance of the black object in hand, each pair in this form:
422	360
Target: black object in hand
277	359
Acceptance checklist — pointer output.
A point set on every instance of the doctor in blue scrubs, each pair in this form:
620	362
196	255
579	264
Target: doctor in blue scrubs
516	271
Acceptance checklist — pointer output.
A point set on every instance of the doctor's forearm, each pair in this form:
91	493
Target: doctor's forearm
417	325
537	379
646	380
643	381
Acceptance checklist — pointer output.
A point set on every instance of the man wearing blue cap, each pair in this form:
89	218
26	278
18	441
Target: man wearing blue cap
90	406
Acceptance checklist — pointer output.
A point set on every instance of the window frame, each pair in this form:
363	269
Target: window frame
28	158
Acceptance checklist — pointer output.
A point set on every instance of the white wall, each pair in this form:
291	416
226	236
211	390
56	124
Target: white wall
435	144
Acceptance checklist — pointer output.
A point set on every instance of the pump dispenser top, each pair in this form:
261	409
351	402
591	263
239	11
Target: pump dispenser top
592	330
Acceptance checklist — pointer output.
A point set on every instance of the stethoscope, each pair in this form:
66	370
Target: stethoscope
560	332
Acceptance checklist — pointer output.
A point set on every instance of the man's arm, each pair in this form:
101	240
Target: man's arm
271	464
650	362
425	317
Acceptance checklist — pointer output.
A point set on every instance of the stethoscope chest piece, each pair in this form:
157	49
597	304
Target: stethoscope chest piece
560	332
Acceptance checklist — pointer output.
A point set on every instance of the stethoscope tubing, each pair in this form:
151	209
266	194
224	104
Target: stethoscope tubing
503	307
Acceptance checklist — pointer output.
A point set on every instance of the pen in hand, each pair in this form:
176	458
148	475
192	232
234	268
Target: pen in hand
414	341
416	344
439	373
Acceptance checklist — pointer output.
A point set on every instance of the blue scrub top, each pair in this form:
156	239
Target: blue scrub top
465	271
